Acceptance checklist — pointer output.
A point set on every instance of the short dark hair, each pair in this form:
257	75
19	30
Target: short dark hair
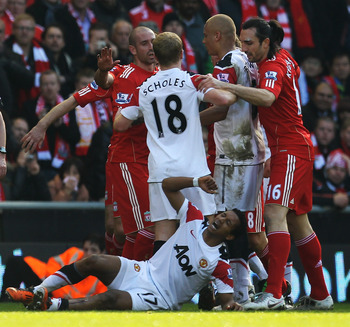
267	30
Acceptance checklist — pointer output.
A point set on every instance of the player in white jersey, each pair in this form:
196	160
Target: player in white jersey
169	102
240	149
185	263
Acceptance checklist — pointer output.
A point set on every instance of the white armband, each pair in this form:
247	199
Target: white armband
195	182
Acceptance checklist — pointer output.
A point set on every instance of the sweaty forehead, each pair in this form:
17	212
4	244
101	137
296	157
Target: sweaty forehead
247	35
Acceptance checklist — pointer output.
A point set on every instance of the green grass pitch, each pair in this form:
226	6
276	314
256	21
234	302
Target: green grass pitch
13	314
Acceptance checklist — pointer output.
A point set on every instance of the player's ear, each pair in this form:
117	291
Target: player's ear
230	237
132	49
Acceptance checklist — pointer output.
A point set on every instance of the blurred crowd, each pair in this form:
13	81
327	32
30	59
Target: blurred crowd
48	51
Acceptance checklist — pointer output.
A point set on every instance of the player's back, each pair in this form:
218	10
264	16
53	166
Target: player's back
169	102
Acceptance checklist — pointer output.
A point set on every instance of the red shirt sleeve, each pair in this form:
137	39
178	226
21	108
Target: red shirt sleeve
91	93
271	77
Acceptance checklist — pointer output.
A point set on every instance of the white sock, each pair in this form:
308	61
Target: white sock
241	279
256	266
54	282
288	271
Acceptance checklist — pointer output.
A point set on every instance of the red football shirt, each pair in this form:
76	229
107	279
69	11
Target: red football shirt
283	120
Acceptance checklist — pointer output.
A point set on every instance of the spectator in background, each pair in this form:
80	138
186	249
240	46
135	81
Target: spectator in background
98	39
19	128
334	189
189	13
150	10
29	182
320	105
62	136
18	7
324	141
312	70
121	30
343	110
22	42
68	184
273	9
33	271
108	11
6	17
43	11
54	40
90	117
345	137
172	23
339	77
77	19
14	76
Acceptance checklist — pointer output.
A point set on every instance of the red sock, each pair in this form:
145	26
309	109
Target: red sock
279	247
143	249
128	249
264	257
309	249
117	246
112	246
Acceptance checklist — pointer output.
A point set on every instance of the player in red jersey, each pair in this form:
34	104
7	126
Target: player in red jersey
126	167
289	194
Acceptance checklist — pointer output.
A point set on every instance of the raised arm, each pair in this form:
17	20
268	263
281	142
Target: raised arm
36	135
173	185
105	63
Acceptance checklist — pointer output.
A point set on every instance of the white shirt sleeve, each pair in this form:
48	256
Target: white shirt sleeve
131	112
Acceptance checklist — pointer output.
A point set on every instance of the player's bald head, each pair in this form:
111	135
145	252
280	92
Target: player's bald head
223	24
137	32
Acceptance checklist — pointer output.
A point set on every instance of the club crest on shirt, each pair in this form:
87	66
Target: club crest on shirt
203	263
137	267
147	216
222	77
123	98
271	75
115	206
229	273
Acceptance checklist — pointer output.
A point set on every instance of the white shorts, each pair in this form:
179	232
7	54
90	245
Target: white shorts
161	208
134	279
238	186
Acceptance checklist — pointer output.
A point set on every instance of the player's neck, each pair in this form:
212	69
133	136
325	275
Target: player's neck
210	239
171	66
224	50
147	67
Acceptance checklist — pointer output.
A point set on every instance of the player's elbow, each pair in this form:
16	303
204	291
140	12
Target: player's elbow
267	99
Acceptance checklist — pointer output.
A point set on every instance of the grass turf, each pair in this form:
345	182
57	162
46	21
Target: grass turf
14	314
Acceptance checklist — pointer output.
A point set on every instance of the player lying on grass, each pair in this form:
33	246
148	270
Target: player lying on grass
179	270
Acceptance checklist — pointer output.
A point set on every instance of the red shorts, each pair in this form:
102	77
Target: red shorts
290	183
127	191
255	219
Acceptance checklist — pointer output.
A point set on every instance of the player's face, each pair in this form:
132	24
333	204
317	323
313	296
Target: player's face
209	40
255	51
224	223
144	47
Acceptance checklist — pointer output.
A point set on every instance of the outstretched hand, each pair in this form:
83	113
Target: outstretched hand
234	306
207	184
33	139
105	60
